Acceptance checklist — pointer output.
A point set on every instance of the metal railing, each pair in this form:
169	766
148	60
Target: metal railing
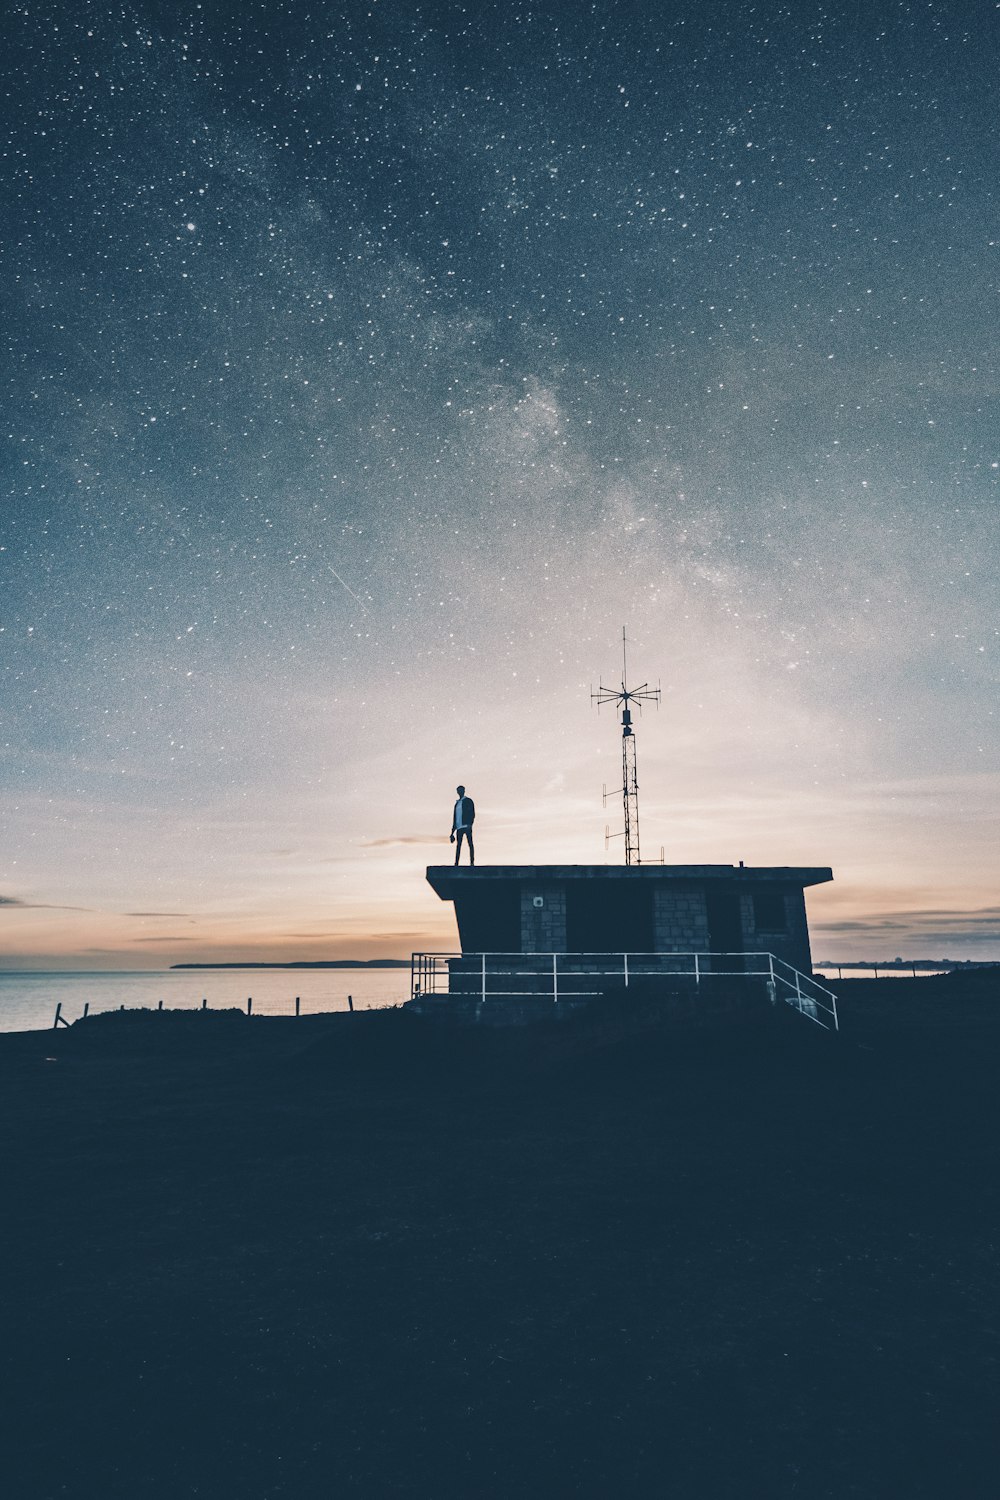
571	976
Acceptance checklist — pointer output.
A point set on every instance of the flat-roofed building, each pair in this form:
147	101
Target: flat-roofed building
677	920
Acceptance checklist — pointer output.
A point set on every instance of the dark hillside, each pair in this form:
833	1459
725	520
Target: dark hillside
370	1255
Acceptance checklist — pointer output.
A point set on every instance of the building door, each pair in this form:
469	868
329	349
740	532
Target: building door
725	925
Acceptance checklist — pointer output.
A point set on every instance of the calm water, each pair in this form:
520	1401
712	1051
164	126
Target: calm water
28	1001
852	971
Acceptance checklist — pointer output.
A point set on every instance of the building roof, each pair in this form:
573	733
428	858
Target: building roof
451	880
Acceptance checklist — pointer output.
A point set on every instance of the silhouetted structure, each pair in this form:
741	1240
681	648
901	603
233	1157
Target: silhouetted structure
624	697
628	909
706	936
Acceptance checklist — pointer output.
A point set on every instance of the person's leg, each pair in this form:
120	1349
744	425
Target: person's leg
472	849
458	843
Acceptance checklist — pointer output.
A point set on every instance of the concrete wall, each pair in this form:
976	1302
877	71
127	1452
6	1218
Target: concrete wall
680	920
792	945
543	928
688	915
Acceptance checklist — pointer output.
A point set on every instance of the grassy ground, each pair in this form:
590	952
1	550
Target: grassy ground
363	1255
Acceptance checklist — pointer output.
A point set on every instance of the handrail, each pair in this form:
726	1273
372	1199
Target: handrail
433	972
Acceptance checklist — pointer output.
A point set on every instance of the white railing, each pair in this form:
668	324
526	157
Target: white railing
571	976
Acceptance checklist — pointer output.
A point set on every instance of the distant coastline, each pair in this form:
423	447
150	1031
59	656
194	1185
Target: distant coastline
323	963
907	963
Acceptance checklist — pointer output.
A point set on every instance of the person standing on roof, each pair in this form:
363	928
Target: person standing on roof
461	824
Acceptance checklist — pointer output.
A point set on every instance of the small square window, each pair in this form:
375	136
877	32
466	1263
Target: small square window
769	912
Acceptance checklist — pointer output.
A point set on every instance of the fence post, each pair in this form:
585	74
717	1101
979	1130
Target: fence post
249	1004
350	1003
86	1010
204	1002
160	1006
298	999
55	1023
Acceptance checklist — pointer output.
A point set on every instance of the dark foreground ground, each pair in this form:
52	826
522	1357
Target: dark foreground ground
264	1258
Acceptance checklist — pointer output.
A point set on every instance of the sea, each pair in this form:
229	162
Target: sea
877	971
28	1001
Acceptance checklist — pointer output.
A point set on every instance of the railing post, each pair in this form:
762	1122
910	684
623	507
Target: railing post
625	962
298	1004
482	993
249	1005
86	1010
555	978
55	1023
697	970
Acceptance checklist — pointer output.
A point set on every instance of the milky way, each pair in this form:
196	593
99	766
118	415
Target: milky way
372	365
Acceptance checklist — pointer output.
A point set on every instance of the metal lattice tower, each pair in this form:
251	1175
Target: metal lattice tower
623	697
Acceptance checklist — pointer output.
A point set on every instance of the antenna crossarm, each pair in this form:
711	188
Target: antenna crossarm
624	698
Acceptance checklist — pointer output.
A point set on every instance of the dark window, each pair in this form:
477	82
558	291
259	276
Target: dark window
489	917
609	916
769	912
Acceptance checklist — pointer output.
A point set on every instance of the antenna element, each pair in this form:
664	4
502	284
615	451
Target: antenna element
623	697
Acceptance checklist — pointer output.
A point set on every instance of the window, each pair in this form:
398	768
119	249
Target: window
769	912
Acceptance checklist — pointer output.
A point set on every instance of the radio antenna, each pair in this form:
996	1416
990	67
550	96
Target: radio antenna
624	697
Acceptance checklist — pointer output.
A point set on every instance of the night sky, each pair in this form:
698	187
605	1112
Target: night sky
371	365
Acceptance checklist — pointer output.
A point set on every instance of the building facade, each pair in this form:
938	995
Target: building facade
639	909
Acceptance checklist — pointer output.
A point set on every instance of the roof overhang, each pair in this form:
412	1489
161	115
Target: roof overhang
450	881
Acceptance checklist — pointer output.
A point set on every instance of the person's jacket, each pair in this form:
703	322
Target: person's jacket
468	815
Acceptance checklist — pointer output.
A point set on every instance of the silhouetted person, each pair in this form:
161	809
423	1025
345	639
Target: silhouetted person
461	824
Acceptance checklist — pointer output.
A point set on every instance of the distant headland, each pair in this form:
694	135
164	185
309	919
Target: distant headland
323	963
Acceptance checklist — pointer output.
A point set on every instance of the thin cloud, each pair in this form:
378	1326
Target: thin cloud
414	838
929	925
167	937
15	901
861	925
156	914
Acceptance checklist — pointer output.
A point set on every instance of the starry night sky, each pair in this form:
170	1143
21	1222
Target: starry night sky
371	365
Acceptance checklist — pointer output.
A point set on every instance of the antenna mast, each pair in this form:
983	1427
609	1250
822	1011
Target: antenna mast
623	697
